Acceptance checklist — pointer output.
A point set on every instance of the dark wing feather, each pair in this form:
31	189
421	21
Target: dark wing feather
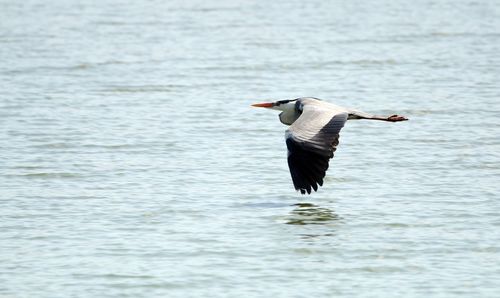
311	142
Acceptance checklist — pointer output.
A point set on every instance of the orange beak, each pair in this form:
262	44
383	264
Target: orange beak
263	105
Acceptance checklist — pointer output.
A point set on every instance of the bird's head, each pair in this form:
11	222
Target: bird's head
281	105
291	109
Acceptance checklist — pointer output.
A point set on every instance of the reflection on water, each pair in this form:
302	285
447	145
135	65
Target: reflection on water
310	214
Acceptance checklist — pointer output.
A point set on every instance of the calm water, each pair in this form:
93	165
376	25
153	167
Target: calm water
133	166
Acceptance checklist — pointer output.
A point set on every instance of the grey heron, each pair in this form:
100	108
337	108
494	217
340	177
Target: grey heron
313	136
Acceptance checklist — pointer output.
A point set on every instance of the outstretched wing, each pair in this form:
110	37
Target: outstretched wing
311	141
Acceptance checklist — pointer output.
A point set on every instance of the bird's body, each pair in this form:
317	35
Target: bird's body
313	136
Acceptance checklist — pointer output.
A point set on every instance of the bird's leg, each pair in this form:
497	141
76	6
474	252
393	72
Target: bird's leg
363	115
396	118
393	118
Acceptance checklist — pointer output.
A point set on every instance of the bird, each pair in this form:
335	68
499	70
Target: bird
313	136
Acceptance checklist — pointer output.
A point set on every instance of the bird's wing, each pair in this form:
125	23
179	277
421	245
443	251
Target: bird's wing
311	141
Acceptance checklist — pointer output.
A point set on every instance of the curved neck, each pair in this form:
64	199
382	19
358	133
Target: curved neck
289	117
289	113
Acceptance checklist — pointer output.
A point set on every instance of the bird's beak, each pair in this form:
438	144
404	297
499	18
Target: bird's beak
263	105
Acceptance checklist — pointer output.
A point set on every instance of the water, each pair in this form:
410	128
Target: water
133	166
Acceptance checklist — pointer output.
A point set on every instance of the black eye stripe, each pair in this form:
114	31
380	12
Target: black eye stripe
284	101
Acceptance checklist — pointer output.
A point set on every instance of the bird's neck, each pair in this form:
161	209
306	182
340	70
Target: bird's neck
289	117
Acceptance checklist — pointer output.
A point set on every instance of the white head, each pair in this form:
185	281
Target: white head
290	109
282	105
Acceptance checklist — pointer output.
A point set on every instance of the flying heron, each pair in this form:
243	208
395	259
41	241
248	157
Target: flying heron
313	136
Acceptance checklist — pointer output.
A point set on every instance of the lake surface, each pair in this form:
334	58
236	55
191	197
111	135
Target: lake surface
132	164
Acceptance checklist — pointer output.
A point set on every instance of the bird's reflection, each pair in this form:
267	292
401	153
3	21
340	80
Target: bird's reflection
310	214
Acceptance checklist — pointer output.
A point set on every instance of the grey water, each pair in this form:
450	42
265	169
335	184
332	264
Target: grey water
132	165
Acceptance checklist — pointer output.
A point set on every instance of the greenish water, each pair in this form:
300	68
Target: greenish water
133	166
